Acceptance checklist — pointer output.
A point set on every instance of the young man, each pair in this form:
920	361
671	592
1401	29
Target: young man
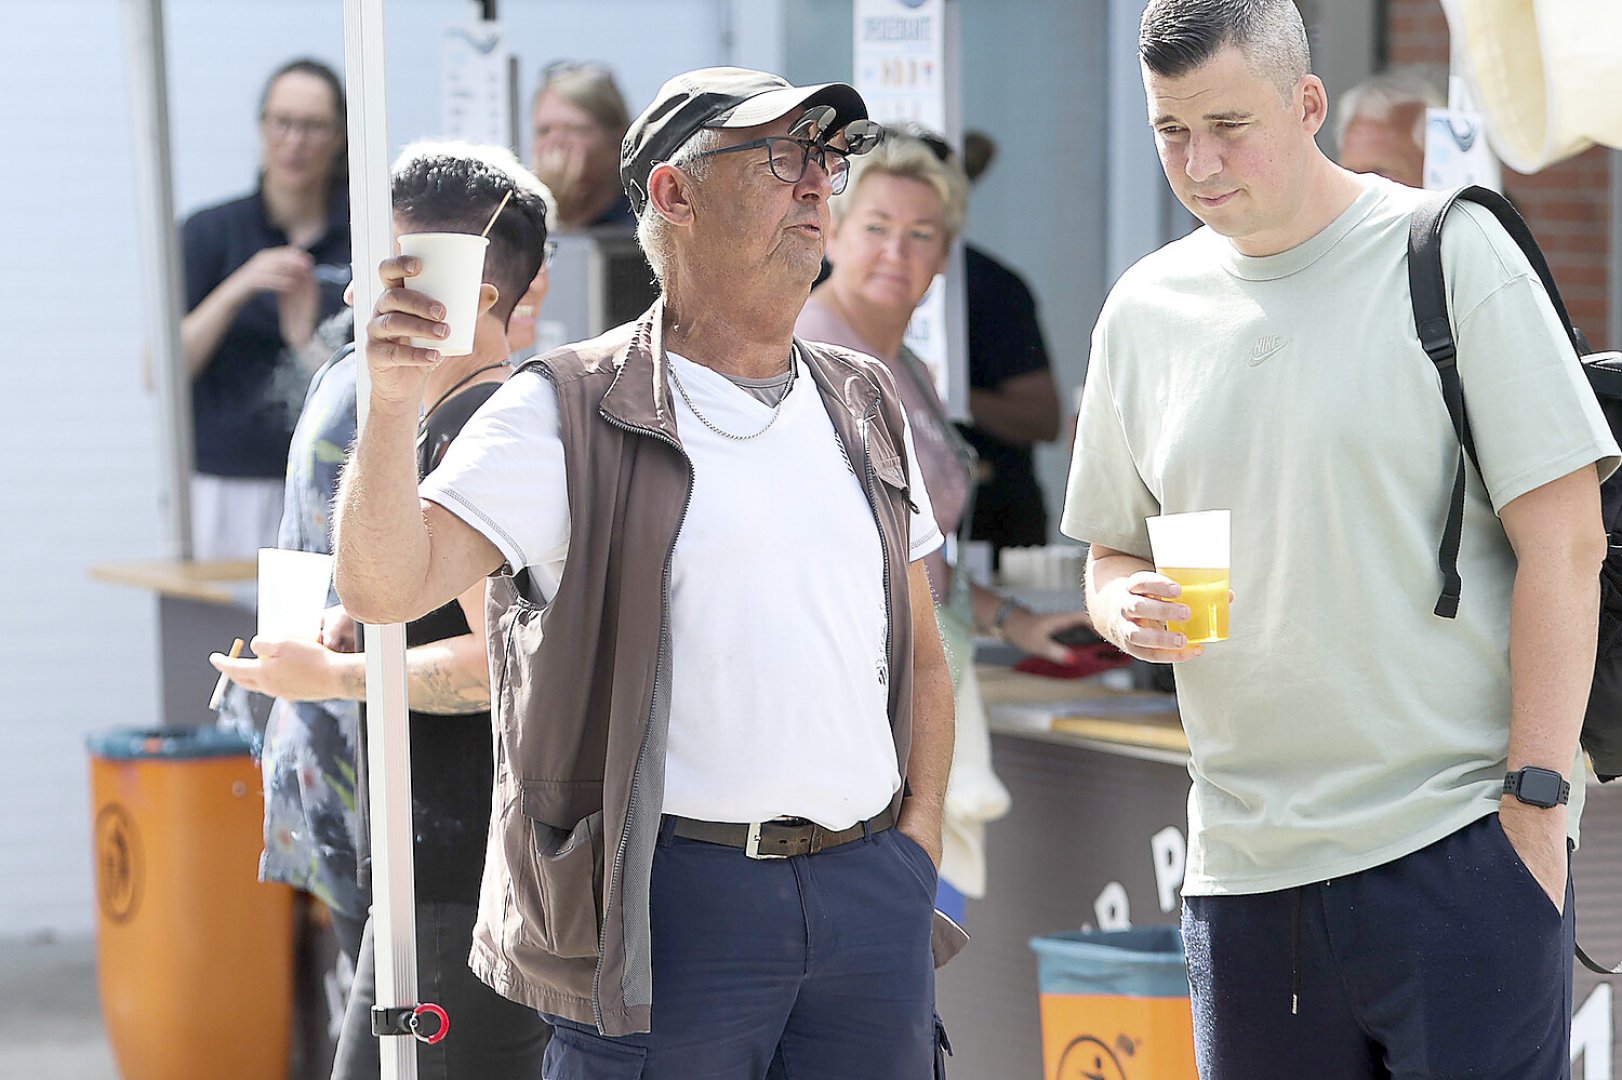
725	721
1363	898
436	187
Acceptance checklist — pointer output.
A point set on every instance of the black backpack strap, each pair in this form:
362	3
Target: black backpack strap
1427	286
1589	963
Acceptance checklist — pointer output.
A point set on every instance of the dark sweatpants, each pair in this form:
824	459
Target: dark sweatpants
817	967
1450	962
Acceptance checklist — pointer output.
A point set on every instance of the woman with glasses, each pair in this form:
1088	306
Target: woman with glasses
261	272
892	234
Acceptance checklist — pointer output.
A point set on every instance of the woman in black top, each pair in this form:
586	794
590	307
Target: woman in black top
261	271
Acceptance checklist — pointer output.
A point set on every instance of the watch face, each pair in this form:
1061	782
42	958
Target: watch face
1540	787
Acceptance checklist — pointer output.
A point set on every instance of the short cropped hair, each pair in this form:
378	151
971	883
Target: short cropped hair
913	158
1388	92
1177	36
456	186
652	230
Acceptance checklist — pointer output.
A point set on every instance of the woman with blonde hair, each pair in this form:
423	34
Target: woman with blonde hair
893	231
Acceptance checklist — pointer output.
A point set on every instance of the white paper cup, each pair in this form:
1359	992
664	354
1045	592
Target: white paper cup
1193	550
452	271
293	590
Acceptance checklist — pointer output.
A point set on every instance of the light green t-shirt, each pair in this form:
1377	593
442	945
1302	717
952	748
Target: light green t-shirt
1343	724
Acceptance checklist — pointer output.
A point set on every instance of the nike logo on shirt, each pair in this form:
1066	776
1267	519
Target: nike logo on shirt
1265	347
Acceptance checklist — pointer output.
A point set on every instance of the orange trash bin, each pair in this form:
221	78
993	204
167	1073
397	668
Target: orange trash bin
1115	1005
194	954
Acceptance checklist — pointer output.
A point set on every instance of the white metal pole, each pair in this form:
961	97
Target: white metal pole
957	328
1615	327
394	917
155	207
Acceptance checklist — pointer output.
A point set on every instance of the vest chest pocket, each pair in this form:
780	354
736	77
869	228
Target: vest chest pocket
561	908
887	466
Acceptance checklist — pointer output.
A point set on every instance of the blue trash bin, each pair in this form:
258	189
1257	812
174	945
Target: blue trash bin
1115	1005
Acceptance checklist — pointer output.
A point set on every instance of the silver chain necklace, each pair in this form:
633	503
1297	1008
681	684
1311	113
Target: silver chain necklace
793	374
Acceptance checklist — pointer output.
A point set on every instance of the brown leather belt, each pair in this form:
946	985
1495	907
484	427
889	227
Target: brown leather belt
779	839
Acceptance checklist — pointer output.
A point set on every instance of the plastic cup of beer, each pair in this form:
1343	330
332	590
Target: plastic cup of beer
1192	550
452	271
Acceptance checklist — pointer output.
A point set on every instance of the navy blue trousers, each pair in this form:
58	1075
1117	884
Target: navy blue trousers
816	967
1450	962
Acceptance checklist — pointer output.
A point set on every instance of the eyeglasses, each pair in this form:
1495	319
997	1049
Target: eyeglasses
937	145
548	252
788	158
284	126
594	68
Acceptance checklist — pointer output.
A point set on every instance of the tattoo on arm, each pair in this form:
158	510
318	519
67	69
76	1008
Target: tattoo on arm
438	685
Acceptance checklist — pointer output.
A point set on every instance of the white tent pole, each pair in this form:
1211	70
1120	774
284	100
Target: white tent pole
155	203
394	918
1615	329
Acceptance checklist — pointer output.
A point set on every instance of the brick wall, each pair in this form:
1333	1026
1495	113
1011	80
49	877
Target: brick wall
1567	205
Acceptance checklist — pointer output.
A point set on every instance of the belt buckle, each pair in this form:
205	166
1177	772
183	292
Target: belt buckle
751	847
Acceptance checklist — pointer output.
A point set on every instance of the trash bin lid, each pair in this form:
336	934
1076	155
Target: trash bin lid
130	744
1143	962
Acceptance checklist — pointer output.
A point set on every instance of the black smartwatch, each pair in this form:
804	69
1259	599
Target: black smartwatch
1538	787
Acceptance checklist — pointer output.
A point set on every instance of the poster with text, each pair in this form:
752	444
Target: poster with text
904	56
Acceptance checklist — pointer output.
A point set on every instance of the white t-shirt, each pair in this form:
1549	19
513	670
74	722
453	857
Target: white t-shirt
779	699
1343	724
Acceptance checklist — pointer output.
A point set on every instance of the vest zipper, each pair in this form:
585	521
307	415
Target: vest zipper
636	771
884	547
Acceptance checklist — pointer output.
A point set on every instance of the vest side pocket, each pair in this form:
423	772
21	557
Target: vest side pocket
567	864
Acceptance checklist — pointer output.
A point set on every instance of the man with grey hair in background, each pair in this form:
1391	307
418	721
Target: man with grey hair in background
724	720
1380	124
1378	870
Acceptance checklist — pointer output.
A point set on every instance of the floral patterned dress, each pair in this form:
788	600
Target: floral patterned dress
311	816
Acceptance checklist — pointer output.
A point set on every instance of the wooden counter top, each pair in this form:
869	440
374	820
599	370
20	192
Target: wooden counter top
1083	712
229	583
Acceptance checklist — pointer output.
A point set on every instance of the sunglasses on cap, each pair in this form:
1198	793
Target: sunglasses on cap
788	156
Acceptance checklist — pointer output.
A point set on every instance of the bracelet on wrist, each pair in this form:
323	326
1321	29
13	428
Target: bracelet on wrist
999	621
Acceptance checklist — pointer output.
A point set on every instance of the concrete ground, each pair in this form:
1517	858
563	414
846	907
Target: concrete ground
50	1018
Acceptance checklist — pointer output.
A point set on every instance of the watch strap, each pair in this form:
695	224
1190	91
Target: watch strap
1514	781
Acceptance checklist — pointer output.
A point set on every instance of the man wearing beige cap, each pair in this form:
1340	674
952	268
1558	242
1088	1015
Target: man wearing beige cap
724	722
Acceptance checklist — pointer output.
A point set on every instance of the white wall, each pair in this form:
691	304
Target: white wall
81	478
82	485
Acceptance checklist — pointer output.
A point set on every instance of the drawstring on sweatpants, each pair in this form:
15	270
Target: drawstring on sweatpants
1295	950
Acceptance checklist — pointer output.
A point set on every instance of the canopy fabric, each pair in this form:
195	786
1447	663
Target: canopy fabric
1545	72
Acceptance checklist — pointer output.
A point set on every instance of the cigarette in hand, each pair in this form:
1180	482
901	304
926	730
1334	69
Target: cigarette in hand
224	679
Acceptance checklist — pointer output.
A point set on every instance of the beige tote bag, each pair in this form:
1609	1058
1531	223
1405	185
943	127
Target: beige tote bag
1547	73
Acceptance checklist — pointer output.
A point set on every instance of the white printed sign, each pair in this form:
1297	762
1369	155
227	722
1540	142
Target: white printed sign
902	63
475	91
901	60
1456	151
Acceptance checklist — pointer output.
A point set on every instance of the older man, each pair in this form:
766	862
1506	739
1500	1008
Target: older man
1377	870
1380	125
724	715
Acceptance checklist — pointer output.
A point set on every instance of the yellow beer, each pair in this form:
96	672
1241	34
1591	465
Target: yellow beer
1205	591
